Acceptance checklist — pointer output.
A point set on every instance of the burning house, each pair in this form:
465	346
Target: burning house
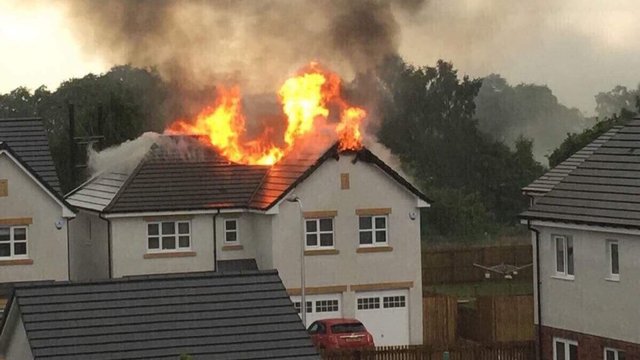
203	199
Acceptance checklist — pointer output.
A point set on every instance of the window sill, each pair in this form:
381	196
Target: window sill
16	262
374	249
613	279
321	252
564	277
161	255
232	247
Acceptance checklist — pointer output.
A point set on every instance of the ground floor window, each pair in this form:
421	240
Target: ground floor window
564	349
613	354
168	236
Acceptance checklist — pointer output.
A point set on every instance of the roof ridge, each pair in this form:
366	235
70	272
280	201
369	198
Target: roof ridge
148	277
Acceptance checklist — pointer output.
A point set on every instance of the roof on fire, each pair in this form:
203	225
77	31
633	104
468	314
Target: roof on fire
172	179
27	138
244	315
599	185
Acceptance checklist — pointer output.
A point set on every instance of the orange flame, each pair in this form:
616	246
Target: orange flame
306	101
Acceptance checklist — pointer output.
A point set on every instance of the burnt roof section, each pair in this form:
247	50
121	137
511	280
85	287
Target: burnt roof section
180	173
553	177
294	169
27	138
603	189
208	316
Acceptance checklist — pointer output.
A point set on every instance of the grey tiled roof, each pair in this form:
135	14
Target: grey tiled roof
180	173
603	188
98	192
28	139
553	177
208	316
185	177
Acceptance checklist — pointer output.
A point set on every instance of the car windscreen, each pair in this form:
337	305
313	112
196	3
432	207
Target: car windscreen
347	328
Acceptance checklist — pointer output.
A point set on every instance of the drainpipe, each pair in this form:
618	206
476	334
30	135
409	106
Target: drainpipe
538	282
68	250
215	242
109	244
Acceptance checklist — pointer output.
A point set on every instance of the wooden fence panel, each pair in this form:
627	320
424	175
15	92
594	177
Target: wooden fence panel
498	318
440	320
455	264
502	351
513	318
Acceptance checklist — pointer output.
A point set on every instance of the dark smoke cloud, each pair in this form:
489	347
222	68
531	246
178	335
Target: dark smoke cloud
254	43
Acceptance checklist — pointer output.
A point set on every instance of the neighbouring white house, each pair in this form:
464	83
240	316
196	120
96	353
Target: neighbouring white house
585	223
185	208
33	215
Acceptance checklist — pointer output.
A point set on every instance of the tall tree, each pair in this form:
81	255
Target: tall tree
428	121
506	112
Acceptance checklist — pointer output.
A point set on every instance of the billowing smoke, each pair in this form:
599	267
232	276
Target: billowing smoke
122	158
252	43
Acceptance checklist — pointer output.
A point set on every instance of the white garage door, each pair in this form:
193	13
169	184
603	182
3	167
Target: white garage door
324	306
386	315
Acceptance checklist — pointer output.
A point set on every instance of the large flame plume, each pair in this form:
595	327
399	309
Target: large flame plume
308	100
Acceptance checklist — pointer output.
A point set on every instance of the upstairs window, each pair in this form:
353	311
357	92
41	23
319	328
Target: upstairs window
564	256
613	259
231	231
373	230
319	233
168	236
13	242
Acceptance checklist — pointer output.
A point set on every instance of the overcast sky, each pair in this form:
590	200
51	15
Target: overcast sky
576	47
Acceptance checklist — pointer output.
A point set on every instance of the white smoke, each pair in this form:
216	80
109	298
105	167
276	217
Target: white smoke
121	158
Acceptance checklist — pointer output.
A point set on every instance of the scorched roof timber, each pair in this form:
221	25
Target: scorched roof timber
603	189
244	315
27	138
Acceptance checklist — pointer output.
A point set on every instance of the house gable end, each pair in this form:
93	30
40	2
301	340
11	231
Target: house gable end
5	152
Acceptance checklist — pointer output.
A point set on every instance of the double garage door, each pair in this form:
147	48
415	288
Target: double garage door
384	313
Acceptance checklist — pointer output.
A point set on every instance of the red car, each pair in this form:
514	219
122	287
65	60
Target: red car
340	334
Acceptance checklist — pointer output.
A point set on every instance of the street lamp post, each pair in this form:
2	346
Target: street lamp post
303	302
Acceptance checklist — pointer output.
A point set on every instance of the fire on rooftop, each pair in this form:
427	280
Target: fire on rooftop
308	101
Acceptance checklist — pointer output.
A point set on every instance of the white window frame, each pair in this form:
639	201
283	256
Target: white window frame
176	236
616	353
566	343
373	231
318	234
12	241
227	231
565	249
610	274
